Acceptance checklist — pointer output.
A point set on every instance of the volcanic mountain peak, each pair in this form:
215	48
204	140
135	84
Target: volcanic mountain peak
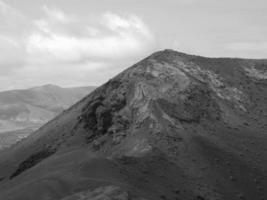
180	87
168	87
156	126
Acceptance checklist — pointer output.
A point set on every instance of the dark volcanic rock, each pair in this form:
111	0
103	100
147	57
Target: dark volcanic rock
32	160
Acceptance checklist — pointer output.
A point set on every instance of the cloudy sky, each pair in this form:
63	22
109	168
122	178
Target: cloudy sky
86	42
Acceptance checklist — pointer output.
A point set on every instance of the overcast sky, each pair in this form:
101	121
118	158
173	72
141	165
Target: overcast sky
86	42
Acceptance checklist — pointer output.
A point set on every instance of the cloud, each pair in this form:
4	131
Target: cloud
56	14
11	20
111	37
127	23
10	48
6	11
67	49
11	38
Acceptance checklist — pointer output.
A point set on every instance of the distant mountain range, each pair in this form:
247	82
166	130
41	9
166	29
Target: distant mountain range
22	111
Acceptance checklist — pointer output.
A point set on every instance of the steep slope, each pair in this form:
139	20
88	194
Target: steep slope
173	126
22	111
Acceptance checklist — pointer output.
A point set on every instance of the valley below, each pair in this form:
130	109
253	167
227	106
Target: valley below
24	111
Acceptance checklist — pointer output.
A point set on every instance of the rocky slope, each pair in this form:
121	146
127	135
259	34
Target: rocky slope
22	111
173	126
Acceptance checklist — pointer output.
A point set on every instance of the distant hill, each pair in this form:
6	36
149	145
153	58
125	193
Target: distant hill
22	111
